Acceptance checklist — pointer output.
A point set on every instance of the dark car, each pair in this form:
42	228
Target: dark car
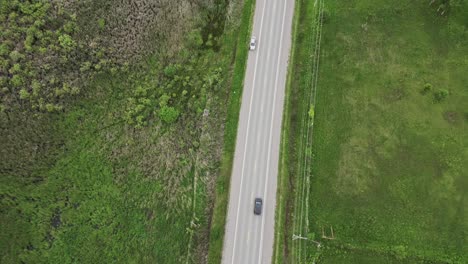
258	206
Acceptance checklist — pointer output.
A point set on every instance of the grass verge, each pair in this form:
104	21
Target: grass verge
222	185
296	136
284	187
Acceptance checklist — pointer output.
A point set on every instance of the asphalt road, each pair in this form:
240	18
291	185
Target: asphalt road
249	238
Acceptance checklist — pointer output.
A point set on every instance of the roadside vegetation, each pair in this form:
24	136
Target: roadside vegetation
384	179
112	141
236	83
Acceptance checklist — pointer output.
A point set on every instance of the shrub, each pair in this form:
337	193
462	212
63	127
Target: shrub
16	68
171	70
440	95
311	112
50	107
400	252
66	42
427	88
24	94
3	81
85	66
140	91
163	100
16	56
69	27
3	49
101	23
194	38
168	114
17	80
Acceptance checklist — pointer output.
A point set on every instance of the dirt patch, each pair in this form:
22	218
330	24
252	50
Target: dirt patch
451	116
355	170
56	220
395	95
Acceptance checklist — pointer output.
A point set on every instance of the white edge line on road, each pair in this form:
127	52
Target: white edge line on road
271	129
247	134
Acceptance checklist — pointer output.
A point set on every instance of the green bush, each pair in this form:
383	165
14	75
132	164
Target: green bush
168	114
16	56
66	42
440	95
4	49
427	88
171	70
69	27
194	38
101	23
311	112
17	80
163	100
16	68
24	94
400	252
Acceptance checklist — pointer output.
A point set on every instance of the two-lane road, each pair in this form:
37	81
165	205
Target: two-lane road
249	238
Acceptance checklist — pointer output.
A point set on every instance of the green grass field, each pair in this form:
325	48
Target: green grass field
389	156
93	207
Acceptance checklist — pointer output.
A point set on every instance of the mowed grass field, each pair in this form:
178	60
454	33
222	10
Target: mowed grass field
390	172
390	143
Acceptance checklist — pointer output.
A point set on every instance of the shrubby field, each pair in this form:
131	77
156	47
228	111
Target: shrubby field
389	156
112	121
